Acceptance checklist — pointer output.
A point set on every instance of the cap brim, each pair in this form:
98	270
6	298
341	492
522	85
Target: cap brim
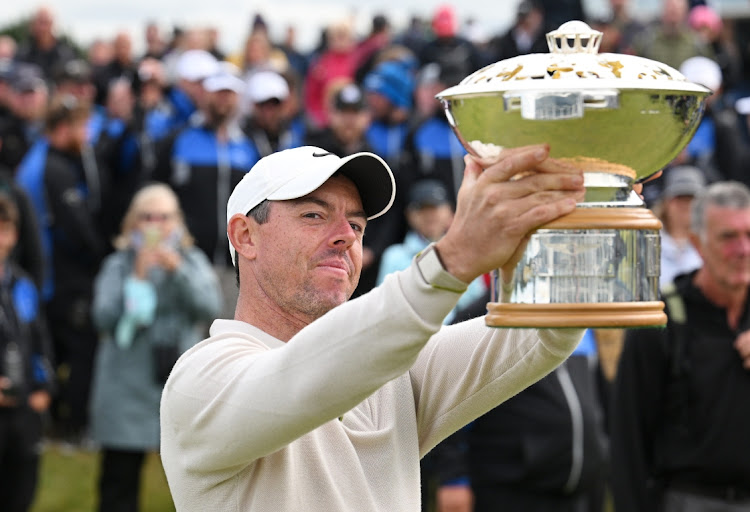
370	174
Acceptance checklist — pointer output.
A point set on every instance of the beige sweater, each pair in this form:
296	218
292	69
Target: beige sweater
338	418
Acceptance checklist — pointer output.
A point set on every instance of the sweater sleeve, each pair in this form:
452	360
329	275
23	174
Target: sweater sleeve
468	368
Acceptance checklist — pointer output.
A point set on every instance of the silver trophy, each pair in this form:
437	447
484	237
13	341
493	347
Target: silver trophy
621	118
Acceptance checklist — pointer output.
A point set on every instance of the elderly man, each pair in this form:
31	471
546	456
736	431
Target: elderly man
681	412
307	401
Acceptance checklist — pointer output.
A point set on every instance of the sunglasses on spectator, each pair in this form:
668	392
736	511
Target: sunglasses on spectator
155	217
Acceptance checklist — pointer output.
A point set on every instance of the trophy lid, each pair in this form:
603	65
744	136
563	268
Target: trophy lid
574	62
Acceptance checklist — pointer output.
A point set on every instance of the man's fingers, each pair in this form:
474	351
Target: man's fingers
515	161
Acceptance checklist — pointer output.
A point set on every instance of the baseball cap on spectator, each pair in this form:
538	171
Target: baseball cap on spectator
223	82
27	78
703	71
263	86
196	65
75	70
683	180
349	97
296	172
427	193
742	106
445	22
393	81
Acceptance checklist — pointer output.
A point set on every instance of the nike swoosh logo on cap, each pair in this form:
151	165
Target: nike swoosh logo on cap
321	154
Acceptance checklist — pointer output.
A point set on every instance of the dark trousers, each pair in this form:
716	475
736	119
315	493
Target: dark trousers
75	341
20	446
119	480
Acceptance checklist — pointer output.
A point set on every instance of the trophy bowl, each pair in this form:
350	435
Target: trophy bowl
621	118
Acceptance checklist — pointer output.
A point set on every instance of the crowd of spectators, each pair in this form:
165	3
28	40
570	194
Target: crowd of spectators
82	132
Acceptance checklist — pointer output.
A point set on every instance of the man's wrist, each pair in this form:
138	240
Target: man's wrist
434	272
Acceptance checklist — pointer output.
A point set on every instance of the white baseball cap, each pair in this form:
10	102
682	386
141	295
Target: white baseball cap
702	70
196	65
223	82
296	172
267	85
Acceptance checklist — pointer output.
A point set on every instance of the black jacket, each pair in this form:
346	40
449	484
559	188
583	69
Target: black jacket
681	413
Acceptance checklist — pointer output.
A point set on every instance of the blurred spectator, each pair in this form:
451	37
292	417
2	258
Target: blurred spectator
671	41
701	150
557	12
348	123
259	54
27	252
527	35
432	149
266	127
213	43
6	74
711	29
337	64
187	95
156	46
678	256
152	300
447	48
389	90
100	54
429	213
151	118
43	47
733	142
414	36
296	59
203	162
122	65
680	409
8	48
28	95
70	198
26	377
368	48
623	29
118	150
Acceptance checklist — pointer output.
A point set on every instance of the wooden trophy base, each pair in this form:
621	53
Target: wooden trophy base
597	315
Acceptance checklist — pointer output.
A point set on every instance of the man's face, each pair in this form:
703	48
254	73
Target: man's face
430	221
269	115
308	256
29	105
725	247
221	106
349	125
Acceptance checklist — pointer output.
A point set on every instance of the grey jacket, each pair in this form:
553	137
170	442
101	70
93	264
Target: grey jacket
125	397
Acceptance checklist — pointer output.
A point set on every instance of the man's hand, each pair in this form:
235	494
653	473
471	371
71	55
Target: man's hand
499	207
742	345
455	498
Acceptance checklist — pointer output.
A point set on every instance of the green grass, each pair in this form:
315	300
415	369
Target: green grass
67	482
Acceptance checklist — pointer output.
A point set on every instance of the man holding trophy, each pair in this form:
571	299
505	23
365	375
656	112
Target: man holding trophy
307	401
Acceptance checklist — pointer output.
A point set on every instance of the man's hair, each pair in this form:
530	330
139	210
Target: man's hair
260	214
724	194
64	109
8	209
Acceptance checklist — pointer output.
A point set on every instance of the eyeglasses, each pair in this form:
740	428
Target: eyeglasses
155	217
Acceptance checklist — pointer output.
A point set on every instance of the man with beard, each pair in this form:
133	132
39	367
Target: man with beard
69	196
267	126
202	163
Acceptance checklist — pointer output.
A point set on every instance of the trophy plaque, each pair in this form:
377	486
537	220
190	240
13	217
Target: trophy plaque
621	118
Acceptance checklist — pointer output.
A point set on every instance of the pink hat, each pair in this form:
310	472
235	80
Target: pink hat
703	16
444	22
